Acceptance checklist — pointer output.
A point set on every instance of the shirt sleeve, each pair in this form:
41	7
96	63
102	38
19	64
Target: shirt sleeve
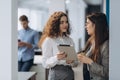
36	40
48	59
103	68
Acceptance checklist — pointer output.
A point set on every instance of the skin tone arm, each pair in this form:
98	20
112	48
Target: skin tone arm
21	44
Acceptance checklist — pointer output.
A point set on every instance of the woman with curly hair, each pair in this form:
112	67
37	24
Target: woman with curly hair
56	32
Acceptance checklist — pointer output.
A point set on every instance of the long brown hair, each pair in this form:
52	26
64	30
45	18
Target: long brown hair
101	33
52	28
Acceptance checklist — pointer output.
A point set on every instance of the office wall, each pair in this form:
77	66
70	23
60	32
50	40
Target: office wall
37	18
76	12
114	40
8	46
56	5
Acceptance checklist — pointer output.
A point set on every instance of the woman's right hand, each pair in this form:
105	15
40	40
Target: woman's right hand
84	59
61	55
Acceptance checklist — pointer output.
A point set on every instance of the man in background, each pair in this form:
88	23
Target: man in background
27	42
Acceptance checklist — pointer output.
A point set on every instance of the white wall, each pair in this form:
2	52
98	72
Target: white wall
76	13
104	6
8	40
56	5
37	18
114	40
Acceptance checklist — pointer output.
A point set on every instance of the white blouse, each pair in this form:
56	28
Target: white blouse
50	50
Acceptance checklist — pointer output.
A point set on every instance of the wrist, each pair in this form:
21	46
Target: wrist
90	62
26	44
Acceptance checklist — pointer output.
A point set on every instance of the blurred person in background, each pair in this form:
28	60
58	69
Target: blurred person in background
27	42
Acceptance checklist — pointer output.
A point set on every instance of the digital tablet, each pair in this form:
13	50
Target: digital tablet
69	50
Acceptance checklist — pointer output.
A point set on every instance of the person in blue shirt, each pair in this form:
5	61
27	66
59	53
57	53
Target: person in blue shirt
27	42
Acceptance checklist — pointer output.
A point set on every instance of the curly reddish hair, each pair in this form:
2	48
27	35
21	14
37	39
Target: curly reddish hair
52	28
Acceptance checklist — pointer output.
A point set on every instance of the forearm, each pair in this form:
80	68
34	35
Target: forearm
98	69
28	45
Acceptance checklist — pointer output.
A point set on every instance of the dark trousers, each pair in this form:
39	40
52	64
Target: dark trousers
86	76
86	73
25	66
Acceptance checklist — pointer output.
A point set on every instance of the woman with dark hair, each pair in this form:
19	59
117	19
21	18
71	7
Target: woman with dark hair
96	52
56	32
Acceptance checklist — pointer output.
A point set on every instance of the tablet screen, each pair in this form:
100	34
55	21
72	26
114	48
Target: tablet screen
69	50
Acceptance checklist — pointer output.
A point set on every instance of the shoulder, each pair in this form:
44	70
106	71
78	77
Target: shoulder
34	31
47	41
69	39
20	31
105	46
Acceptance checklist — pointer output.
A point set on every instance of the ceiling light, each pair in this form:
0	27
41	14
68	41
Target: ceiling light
67	1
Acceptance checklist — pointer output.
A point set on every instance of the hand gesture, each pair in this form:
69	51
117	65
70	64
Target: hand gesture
61	55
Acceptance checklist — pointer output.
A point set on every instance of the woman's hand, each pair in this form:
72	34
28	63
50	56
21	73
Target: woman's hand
61	55
84	59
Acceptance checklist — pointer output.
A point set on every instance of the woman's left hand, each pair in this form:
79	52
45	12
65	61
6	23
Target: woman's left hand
84	59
